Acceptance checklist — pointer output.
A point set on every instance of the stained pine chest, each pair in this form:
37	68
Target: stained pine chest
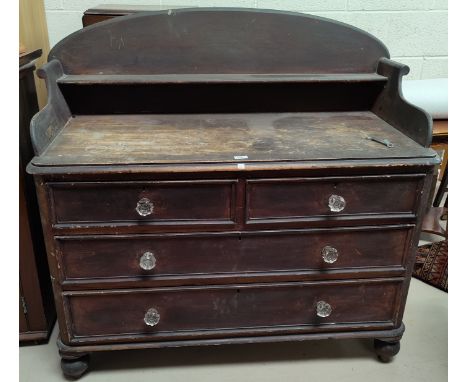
217	176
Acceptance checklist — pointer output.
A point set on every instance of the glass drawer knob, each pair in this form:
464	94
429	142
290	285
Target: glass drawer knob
147	261
336	203
144	207
329	254
323	309
152	317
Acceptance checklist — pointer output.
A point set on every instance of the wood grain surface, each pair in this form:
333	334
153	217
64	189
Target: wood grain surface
193	309
219	40
303	197
172	201
118	256
239	145
141	139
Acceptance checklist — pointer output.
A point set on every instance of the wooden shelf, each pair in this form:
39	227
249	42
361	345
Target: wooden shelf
217	78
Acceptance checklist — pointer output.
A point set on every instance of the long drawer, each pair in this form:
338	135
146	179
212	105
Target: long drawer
142	256
136	203
187	312
327	198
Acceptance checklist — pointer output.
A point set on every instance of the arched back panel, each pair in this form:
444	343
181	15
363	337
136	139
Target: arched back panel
219	41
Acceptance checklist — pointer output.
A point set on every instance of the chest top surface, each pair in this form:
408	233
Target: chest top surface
201	138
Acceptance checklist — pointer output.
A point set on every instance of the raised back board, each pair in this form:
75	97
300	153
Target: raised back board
219	41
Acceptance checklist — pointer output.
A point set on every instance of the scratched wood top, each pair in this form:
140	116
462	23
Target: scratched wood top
217	78
210	138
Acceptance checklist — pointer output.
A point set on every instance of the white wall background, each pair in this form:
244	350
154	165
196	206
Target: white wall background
414	31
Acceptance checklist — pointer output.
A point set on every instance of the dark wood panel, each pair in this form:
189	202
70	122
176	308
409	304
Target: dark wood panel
115	10
46	124
94	19
33	300
350	331
392	107
107	11
199	254
210	40
369	166
114	202
300	198
233	278
222	307
36	311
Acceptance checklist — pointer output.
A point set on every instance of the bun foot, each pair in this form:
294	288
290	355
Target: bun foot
74	368
386	350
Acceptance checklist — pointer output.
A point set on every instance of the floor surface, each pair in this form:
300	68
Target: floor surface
423	356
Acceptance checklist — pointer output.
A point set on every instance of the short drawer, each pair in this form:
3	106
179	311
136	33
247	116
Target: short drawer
165	255
191	311
302	198
113	203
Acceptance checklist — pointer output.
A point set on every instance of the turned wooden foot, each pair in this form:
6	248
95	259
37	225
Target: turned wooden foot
74	368
386	350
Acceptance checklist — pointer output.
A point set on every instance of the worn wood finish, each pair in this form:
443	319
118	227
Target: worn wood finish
386	349
85	258
290	198
392	107
36	310
211	41
141	139
74	367
239	147
72	214
72	352
110	203
36	313
207	202
180	171
46	124
198	79
221	308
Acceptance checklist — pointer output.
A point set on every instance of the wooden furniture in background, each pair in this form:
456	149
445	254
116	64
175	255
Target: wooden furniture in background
36	308
104	12
440	142
436	212
199	186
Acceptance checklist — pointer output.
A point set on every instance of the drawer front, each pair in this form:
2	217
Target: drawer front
299	199
166	312
203	254
110	203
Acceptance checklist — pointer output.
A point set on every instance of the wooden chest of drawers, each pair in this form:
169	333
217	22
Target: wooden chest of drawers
236	196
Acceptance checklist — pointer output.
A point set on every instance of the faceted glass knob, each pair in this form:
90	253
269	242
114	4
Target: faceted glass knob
147	261
336	203
152	317
329	254
323	309
144	207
